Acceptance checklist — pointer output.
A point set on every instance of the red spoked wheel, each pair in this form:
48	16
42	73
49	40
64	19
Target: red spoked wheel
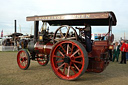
69	59
43	59
23	59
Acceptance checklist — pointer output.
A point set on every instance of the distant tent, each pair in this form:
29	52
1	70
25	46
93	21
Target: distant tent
15	34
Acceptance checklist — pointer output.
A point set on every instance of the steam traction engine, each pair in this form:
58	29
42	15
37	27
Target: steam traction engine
66	48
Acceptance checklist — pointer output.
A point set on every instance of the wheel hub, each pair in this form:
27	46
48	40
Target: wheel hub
21	59
67	59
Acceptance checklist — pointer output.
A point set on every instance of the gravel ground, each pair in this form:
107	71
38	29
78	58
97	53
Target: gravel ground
11	74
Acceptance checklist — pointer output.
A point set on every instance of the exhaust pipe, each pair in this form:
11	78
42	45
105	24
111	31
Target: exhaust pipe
15	25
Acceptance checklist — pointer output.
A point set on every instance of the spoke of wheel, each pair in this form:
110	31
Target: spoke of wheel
78	57
61	33
64	68
25	55
21	55
60	66
75	52
67	32
71	38
76	62
76	67
67	48
19	62
26	58
63	48
73	70
58	39
72	49
26	62
22	64
20	58
59	61
68	71
58	56
61	53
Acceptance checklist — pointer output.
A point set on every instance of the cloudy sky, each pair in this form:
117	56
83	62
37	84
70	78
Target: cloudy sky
20	9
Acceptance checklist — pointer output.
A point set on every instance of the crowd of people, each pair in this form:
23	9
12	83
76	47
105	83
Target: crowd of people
119	49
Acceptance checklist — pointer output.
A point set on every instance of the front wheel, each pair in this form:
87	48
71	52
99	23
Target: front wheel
69	59
23	59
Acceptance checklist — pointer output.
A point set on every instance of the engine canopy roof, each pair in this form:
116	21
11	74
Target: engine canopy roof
77	19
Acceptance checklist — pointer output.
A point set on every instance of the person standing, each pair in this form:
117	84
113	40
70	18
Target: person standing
123	50
116	52
126	50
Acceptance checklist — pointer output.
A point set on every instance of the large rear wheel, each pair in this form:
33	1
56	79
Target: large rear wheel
69	59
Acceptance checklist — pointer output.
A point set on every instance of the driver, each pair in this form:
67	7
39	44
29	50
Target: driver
87	33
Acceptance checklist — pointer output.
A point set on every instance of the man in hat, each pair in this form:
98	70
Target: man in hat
87	33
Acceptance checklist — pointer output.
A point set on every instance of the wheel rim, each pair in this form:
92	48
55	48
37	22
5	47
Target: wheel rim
22	59
67	35
43	60
67	60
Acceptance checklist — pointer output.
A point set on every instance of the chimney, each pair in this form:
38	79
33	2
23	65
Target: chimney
15	26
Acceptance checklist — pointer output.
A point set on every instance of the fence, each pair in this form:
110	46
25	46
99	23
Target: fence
8	48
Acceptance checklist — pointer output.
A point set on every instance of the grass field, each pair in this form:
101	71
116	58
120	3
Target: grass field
11	74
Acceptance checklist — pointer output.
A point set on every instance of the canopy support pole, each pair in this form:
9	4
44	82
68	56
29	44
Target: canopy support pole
36	25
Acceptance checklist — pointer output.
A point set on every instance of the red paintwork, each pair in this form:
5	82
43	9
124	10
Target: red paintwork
43	49
96	62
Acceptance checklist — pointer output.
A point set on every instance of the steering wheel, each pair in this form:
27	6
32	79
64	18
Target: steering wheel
64	32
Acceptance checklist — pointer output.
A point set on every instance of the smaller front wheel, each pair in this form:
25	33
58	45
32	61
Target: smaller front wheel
23	59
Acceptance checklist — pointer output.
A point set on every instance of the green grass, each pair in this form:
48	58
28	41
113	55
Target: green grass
11	74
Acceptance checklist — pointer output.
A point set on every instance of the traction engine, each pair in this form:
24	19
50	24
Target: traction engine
66	48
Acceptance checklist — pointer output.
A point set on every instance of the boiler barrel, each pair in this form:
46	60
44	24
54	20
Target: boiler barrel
43	49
